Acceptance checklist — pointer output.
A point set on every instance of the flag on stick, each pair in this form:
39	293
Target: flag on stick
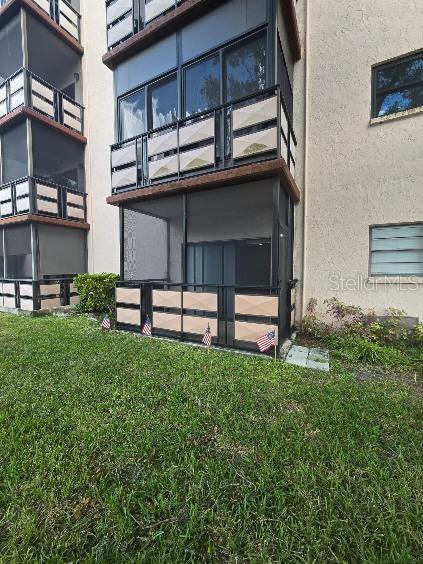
105	324
207	339
267	341
147	327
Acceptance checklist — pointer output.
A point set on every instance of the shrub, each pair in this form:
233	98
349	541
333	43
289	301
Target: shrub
358	349
96	292
390	331
312	327
417	335
344	314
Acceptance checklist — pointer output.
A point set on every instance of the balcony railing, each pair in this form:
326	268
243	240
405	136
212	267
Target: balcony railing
24	88
35	196
253	129
237	315
127	17
30	296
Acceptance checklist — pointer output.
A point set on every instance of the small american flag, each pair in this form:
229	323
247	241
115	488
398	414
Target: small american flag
207	339
105	324
265	342
147	328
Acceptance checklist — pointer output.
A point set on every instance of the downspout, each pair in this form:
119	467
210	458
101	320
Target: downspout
305	183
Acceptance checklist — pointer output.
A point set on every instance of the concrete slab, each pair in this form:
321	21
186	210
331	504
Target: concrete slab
315	359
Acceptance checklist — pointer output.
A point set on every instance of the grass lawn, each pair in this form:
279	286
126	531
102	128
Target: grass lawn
116	448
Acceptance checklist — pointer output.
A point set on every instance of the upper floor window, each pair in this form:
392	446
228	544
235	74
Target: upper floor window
245	67
132	115
162	102
396	250
398	86
202	85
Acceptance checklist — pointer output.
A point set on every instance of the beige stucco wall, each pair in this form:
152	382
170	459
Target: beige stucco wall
357	174
103	239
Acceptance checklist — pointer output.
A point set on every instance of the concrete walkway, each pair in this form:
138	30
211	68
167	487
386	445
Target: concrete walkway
317	359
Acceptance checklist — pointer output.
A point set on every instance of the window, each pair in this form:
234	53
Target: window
132	115
398	86
202	86
396	250
163	102
245	67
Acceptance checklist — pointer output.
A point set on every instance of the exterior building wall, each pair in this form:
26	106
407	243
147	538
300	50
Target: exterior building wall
358	174
103	238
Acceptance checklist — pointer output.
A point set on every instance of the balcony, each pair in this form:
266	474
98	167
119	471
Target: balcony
26	90
34	197
250	130
237	315
127	17
59	11
41	295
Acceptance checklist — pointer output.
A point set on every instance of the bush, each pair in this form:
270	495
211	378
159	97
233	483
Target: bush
357	349
96	292
417	336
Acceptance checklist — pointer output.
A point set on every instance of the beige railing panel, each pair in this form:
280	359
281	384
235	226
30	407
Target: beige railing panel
50	303
47	207
46	191
130	296
125	177
250	332
69	27
262	111
162	143
42	90
255	143
117	9
27	305
26	290
166	321
120	30
198	158
44	4
8	288
5	193
9	302
201	301
72	108
196	132
17	83
71	122
166	298
266	306
17	100
157	7
49	289
22	204
163	167
124	155
75	213
43	106
75	199
128	316
74	300
22	189
198	325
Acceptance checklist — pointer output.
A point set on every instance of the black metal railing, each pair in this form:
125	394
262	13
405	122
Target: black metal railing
25	89
30	295
254	128
127	17
237	315
31	195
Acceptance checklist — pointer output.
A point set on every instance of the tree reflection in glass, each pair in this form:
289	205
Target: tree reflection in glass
399	87
245	68
202	86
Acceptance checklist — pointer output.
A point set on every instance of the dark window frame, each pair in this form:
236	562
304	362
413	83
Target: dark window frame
386	65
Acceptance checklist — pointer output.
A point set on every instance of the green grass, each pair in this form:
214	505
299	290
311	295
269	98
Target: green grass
115	448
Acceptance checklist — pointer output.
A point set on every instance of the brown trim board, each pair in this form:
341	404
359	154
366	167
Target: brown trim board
23	112
245	173
289	11
31	218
